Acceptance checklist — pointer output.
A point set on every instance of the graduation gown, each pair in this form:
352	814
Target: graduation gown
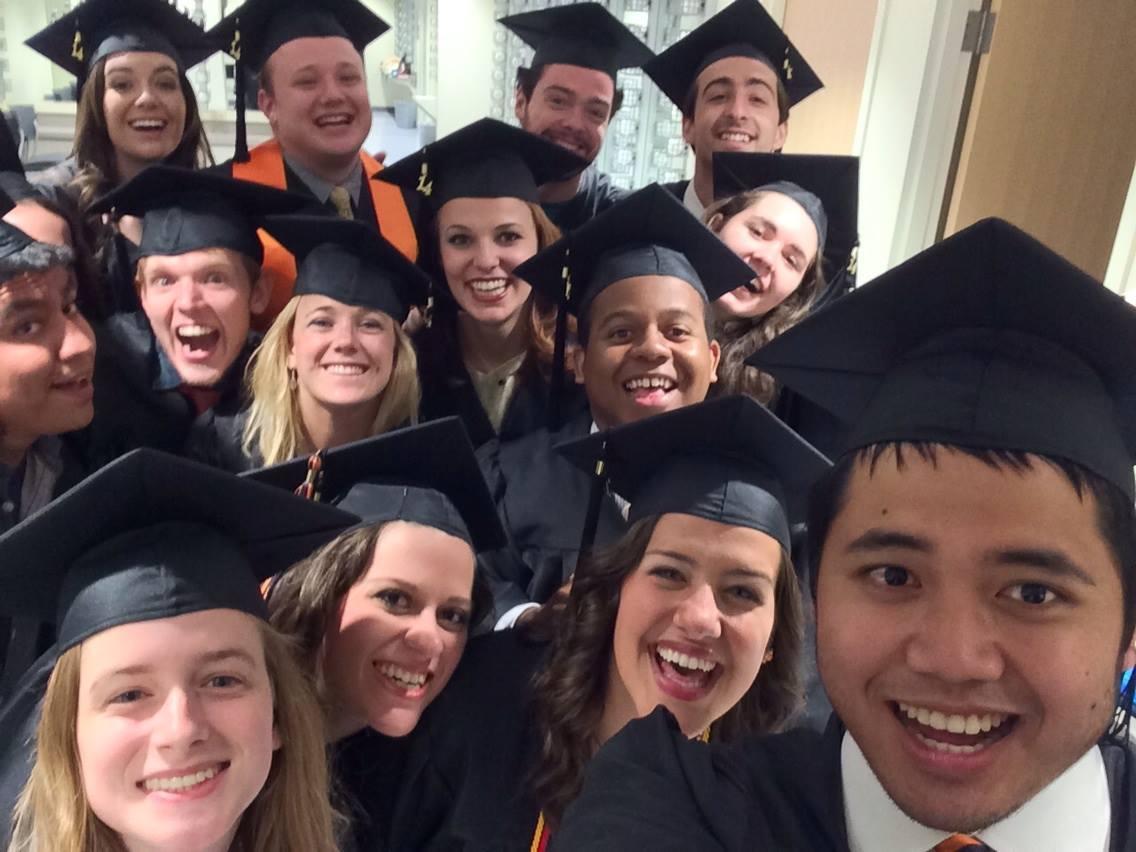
543	500
137	401
677	189
367	773
448	390
596	194
648	788
215	439
474	751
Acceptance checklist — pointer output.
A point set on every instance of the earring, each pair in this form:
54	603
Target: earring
293	379
428	314
768	656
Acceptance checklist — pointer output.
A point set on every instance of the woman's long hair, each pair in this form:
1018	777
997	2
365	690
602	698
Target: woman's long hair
570	691
94	153
740	337
275	427
540	325
291	813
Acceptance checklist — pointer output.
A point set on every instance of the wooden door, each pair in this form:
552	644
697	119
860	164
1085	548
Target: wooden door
1050	137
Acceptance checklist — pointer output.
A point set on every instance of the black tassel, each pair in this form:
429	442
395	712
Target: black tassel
240	147
556	386
595	500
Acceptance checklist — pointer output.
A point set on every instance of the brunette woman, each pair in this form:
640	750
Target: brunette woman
487	353
172	715
336	366
136	108
382	613
696	607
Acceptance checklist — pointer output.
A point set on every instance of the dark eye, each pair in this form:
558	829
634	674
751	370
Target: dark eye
1034	594
393	599
161	281
28	329
128	697
457	240
745	593
667	574
372	324
168	85
508	237
216	278
619	334
455	619
891	575
224	681
319	322
678	332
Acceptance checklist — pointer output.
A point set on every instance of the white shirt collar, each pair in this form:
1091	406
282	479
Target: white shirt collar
1073	812
691	200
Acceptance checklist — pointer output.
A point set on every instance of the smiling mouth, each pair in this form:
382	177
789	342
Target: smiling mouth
80	383
148	125
684	676
198	339
182	783
953	733
650	390
488	289
411	684
334	120
736	136
344	369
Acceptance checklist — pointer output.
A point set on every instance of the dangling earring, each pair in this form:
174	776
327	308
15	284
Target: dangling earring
293	379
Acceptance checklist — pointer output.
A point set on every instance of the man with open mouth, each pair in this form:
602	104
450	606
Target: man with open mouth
974	568
734	78
312	87
569	96
199	283
639	279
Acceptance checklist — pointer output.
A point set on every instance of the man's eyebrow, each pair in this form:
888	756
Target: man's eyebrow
1047	560
878	539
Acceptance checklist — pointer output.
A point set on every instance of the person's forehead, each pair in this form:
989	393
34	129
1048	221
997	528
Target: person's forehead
39	223
739	70
27	287
142	61
312	51
581	81
646	294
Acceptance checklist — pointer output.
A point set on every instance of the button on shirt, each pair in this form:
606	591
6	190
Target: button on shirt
1073	812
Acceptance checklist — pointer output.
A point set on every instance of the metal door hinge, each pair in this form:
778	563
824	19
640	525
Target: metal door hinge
979	31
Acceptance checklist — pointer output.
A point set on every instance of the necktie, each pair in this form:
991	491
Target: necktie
340	199
961	843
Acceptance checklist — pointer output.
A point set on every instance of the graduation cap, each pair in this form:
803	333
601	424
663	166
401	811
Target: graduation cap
155	536
486	159
988	340
584	34
351	263
95	29
427	474
728	460
743	28
186	210
831	193
258	28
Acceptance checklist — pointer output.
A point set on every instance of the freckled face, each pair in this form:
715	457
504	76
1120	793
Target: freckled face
968	631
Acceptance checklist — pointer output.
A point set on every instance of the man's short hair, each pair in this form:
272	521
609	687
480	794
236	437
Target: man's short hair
34	257
527	78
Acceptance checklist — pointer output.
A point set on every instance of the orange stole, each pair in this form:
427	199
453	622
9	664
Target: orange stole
266	167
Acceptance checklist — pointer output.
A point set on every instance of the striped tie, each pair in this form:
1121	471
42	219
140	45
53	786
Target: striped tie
961	843
340	199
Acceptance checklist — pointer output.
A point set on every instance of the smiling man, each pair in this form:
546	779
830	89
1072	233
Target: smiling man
569	96
734	78
640	280
974	557
313	88
199	284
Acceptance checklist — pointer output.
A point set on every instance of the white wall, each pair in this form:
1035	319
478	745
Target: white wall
1121	275
29	74
465	62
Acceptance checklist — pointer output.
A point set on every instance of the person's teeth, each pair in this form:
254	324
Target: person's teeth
181	782
344	369
649	382
687	662
333	119
194	331
736	137
148	124
950	748
953	723
488	285
403	677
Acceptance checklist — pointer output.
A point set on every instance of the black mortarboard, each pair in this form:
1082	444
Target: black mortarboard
584	34
155	536
728	460
427	474
186	210
258	28
95	29
486	159
987	340
351	263
833	181
743	28
650	232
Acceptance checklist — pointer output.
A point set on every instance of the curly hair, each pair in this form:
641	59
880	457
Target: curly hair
569	693
740	337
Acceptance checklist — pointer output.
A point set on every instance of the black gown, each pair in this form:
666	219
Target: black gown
367	773
216	439
137	402
596	194
542	500
448	389
473	754
648	788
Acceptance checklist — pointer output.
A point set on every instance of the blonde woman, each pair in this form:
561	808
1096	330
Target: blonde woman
335	366
173	717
